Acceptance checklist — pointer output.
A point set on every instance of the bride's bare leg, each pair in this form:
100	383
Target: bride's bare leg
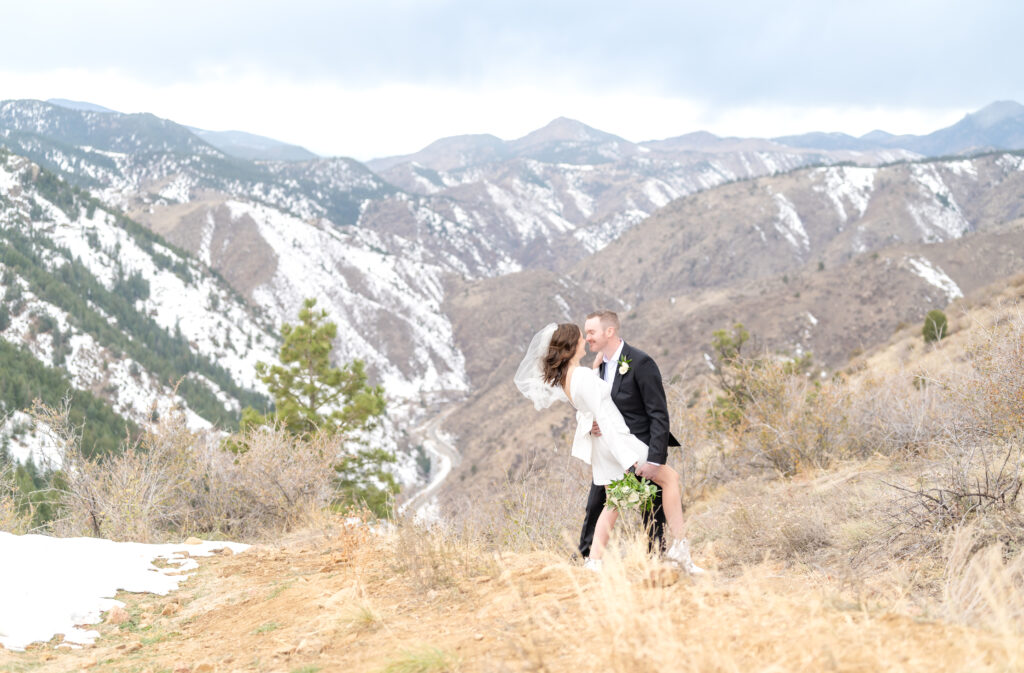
671	500
672	503
602	532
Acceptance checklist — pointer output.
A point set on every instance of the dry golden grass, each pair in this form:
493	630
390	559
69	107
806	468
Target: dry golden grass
346	598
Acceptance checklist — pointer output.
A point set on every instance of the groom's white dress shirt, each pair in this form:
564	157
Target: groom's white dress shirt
609	372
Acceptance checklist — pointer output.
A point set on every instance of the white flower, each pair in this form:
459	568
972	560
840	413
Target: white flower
623	368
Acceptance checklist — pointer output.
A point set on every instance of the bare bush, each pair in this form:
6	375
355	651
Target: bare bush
902	414
980	443
790	423
176	482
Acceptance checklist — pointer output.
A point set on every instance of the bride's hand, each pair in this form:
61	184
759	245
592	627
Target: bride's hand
595	430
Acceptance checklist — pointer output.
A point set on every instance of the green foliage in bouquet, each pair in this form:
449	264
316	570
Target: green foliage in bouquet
630	493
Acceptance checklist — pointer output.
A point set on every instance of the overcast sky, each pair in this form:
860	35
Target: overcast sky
379	77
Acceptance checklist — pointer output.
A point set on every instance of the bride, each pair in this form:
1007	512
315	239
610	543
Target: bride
551	372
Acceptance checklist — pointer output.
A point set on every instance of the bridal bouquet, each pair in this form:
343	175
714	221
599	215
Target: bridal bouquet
630	493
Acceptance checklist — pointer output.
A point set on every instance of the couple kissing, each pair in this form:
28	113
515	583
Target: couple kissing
622	426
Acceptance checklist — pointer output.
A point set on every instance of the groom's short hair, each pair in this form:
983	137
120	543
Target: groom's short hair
608	318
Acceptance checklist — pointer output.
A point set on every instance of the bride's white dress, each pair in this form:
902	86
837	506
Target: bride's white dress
611	454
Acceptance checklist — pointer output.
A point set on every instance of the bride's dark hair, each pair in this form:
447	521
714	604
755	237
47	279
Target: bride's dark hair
560	352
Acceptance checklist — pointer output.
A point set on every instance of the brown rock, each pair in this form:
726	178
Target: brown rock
311	646
170	609
224	551
204	667
117	615
193	540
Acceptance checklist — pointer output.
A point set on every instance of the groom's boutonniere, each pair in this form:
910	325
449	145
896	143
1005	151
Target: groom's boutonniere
623	365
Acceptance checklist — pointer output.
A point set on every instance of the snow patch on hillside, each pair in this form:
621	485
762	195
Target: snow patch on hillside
937	215
532	209
847	185
935	276
1011	162
789	225
658	193
962	168
27	440
377	299
597	236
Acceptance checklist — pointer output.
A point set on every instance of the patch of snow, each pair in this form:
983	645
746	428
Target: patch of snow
1011	162
962	168
597	236
935	276
937	216
658	193
27	441
847	185
789	225
53	585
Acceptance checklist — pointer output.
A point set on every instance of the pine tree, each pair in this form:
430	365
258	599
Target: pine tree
935	326
311	396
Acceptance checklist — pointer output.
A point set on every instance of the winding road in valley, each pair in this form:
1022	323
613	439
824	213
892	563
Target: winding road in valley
446	456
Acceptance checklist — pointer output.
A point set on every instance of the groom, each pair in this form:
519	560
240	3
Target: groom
638	393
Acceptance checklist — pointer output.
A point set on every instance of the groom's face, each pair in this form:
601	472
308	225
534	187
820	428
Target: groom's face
597	335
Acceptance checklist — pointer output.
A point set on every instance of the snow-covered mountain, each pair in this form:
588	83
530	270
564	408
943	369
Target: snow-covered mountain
278	232
383	251
127	316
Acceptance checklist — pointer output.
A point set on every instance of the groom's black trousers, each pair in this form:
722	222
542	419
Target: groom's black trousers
654	521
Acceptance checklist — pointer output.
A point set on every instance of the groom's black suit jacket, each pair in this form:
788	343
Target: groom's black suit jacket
640	397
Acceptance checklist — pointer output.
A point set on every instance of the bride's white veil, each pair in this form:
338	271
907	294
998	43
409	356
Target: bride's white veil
529	377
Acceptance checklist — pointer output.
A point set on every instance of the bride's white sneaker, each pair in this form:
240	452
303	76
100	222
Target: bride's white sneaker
679	552
592	564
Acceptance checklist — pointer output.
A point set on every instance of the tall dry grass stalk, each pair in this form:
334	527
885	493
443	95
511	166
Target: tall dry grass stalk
984	583
12	517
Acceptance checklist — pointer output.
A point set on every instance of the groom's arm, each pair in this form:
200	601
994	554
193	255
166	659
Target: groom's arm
652	392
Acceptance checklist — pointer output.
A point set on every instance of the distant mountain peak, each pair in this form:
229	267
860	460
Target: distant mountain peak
81	106
994	113
564	128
